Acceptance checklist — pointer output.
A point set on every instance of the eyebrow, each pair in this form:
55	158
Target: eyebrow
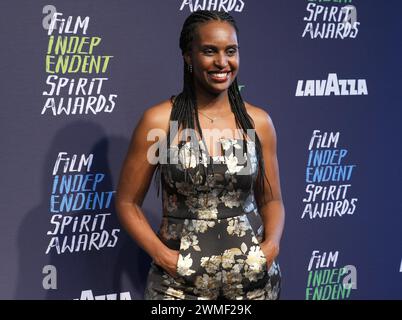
213	46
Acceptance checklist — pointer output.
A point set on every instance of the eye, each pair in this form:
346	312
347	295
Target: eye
208	51
232	51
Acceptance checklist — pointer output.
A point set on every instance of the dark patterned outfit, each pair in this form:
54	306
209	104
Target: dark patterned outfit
216	226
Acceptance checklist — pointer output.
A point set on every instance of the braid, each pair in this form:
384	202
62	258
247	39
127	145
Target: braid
245	122
184	108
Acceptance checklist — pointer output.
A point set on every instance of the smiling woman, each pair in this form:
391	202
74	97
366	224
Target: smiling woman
214	56
222	221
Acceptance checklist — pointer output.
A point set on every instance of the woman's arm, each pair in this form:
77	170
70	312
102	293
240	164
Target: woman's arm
273	211
135	177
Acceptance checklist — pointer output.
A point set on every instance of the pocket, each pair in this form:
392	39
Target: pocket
178	268
256	226
255	268
257	229
170	232
180	249
185	262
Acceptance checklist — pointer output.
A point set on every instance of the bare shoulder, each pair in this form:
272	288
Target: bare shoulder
262	122
157	116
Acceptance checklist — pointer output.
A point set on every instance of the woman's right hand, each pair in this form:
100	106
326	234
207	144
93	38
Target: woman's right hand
168	260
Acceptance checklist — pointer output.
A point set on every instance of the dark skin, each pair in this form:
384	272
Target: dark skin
214	48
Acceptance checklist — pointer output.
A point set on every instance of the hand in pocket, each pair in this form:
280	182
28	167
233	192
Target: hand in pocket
270	250
169	261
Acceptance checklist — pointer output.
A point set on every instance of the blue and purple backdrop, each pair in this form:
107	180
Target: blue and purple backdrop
328	73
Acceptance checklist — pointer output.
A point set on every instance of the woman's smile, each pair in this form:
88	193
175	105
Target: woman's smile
219	76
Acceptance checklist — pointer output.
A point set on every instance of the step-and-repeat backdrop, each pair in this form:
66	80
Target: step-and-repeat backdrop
77	75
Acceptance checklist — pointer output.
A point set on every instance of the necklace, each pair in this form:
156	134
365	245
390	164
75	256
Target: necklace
211	119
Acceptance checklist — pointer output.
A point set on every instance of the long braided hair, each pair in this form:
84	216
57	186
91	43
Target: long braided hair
184	109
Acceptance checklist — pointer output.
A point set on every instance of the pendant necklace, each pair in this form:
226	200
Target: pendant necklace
210	119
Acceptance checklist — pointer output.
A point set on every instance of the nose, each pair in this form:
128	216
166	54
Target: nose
221	60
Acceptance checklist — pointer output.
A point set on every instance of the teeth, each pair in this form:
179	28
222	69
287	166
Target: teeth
220	75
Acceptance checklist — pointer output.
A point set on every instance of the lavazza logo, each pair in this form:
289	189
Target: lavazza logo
331	86
219	5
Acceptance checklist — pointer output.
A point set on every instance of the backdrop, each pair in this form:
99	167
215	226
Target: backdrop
73	89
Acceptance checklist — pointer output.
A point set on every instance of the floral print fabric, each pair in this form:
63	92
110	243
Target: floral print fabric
213	221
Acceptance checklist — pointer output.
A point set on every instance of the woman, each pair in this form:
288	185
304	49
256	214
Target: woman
222	217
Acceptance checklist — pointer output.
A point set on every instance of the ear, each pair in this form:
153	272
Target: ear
187	58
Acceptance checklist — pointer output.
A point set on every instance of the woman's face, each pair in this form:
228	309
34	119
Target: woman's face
214	56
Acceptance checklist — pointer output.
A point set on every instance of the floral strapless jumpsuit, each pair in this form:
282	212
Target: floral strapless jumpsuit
216	226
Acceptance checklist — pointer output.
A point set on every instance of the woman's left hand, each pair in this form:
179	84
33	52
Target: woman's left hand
270	250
